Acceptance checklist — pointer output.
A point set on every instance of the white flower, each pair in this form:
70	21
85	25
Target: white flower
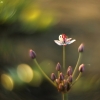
64	40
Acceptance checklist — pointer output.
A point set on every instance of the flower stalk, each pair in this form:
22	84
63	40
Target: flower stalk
35	61
77	64
77	78
64	96
64	57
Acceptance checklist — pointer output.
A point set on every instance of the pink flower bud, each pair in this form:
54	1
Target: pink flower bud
81	48
69	71
58	67
53	77
32	54
81	68
70	79
61	76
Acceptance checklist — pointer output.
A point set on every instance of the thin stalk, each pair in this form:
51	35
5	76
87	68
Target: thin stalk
64	47
64	96
78	62
44	73
77	78
58	73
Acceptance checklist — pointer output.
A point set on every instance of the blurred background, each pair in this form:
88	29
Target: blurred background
35	24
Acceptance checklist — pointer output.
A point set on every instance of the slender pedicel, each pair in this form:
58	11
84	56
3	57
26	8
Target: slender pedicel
78	62
77	78
44	73
80	50
64	57
33	56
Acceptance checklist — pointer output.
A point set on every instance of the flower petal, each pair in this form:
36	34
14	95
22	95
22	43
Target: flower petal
58	42
70	42
68	39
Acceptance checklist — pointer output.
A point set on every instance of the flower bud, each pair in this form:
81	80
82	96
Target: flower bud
70	79
53	77
69	71
61	76
81	48
61	87
58	67
81	68
65	82
32	54
57	81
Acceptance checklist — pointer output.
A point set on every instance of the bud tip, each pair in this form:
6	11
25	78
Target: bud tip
81	68
81	48
32	54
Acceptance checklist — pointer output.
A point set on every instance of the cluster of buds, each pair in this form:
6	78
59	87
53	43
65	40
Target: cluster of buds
64	82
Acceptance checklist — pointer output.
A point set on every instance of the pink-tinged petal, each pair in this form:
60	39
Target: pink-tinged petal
64	40
70	42
69	39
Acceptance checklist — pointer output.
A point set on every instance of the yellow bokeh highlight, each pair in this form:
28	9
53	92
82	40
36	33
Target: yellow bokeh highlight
46	20
7	82
30	16
37	79
30	13
25	72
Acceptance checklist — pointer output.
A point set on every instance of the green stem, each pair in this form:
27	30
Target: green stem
44	73
58	73
78	62
77	78
64	96
64	47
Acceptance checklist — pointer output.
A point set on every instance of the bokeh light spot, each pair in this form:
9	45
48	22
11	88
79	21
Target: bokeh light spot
37	79
7	82
30	14
25	72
